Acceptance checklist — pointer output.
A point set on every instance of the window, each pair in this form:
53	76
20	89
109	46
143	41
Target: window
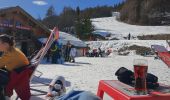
1	29
18	23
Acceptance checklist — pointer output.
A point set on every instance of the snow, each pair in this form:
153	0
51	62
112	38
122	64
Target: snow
119	29
102	33
86	73
115	45
64	38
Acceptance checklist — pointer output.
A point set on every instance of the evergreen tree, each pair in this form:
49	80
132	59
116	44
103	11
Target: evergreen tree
71	19
84	28
50	12
77	22
78	11
87	26
145	12
51	19
67	19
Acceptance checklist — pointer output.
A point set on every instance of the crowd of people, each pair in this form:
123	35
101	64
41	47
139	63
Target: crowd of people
98	52
59	53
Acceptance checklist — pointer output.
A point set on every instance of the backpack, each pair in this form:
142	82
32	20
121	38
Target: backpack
127	76
151	78
124	75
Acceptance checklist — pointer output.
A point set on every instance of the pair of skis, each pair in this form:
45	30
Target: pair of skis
40	55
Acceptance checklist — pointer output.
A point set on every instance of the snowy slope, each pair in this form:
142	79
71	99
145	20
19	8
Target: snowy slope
120	29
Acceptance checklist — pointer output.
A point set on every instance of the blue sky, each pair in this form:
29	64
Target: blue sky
38	8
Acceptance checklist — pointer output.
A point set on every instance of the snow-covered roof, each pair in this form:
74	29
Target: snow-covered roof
65	37
102	33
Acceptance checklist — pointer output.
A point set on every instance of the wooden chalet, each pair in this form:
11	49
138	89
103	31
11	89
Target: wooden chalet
17	22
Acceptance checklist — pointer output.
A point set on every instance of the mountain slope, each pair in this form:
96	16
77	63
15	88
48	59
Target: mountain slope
120	30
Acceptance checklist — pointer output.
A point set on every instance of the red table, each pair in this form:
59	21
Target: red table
120	91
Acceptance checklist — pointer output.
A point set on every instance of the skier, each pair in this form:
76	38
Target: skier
129	36
12	64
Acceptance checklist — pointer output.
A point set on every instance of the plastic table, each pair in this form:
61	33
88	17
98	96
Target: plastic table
120	91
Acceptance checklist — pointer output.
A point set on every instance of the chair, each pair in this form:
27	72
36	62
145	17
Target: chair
35	61
162	53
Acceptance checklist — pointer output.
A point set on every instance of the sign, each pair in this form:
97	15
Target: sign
17	27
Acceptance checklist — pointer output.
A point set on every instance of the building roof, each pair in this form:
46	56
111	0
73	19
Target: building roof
65	37
18	8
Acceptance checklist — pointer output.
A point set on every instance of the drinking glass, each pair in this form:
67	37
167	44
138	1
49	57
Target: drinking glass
140	72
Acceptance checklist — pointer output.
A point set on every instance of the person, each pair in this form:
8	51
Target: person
72	54
100	52
57	91
95	53
57	87
48	56
129	36
54	52
167	46
67	51
61	54
13	63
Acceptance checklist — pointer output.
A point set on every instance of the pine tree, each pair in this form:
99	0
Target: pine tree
84	28
51	19
77	22
78	11
50	12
